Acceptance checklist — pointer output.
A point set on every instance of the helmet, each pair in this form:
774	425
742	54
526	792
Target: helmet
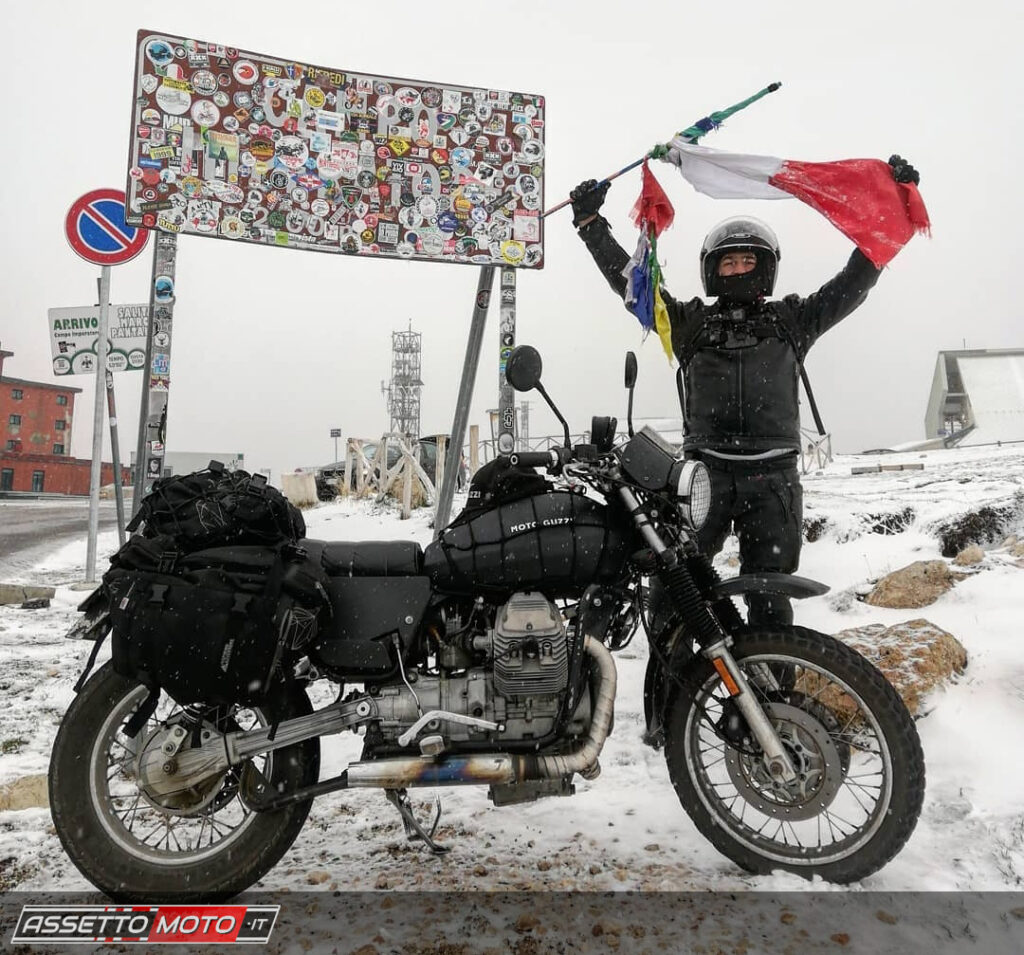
740	232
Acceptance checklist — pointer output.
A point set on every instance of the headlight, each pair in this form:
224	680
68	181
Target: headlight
692	484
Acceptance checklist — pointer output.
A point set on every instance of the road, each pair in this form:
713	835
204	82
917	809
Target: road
30	529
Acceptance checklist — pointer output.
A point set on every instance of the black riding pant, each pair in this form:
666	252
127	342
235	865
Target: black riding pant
762	502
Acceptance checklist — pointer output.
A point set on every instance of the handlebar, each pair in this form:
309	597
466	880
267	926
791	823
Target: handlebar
535	459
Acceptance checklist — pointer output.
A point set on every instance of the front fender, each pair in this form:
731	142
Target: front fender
769	583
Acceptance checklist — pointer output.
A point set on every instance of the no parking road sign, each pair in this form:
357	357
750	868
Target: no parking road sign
96	229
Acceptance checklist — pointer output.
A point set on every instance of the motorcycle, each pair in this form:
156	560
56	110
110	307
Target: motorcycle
487	659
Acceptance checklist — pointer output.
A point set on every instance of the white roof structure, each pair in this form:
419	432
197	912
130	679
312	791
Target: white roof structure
977	397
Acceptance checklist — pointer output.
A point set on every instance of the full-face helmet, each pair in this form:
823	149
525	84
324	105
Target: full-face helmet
736	234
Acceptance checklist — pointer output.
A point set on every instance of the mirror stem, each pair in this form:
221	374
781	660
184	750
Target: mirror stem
558	414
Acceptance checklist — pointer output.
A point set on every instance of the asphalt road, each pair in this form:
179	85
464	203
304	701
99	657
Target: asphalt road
31	527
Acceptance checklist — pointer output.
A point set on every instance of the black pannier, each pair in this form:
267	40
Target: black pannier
218	506
216	626
556	542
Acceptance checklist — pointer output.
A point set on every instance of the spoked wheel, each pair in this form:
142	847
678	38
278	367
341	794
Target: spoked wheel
139	833
859	767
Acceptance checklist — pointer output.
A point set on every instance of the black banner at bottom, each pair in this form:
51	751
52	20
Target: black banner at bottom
535	923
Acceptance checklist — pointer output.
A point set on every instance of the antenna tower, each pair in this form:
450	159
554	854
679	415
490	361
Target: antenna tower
402	392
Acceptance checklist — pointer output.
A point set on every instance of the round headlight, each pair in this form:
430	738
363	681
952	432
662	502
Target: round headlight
694	491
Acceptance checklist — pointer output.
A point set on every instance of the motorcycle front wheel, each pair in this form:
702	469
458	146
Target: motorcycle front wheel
848	734
199	844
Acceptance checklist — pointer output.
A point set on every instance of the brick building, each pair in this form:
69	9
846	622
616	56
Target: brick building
35	438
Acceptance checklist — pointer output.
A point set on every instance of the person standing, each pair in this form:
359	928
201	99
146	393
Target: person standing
740	358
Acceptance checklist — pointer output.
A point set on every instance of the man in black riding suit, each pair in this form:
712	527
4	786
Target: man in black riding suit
740	359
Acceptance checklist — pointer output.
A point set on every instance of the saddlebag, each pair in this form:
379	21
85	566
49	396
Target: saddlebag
216	626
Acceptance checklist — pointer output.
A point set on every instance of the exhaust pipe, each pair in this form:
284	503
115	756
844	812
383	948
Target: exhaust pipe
500	768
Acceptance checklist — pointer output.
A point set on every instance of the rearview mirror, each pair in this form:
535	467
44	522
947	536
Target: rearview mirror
630	369
524	368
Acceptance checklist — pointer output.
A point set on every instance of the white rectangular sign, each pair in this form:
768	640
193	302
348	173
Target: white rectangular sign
74	331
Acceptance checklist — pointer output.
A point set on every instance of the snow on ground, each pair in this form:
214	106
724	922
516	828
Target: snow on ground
625	830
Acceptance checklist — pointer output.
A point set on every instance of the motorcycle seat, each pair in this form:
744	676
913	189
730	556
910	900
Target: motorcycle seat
367	558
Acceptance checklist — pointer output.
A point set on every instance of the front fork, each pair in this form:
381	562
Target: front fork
714	641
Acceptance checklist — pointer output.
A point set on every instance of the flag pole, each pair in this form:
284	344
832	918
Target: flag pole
691	134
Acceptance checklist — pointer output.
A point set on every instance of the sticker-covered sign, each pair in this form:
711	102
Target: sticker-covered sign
74	333
249	147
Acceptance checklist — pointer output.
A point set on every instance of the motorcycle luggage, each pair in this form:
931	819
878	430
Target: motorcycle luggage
217	506
557	543
215	626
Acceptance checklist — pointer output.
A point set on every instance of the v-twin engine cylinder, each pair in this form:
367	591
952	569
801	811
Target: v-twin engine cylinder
519	687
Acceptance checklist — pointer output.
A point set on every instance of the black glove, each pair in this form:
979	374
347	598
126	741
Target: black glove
902	171
587	199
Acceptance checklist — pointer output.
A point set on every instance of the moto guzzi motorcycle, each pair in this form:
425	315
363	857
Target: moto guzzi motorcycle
487	659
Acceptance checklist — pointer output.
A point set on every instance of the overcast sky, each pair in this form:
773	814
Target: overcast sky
274	347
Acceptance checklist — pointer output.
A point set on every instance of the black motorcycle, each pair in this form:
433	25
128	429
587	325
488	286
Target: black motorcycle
487	659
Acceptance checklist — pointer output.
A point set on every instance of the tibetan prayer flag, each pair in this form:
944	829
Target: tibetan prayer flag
652	213
858	196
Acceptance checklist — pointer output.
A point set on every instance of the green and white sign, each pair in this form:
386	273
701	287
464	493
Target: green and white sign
74	331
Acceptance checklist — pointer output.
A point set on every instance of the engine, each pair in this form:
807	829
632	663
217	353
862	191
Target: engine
514	674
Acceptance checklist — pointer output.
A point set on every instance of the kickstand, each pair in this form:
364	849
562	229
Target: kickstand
399	798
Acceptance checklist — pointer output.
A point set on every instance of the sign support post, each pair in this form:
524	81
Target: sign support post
140	447
95	472
474	345
115	455
156	387
506	394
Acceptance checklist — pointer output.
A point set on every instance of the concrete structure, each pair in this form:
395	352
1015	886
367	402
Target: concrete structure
35	438
977	397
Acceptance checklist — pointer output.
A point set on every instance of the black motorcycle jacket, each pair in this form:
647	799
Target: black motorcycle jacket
741	363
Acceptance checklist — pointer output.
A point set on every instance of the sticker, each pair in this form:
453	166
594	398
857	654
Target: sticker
315	97
427	207
221	99
432	243
205	113
407	96
173	101
245	72
526	184
320	207
292	152
533	149
512	251
159	53
204	82
149	83
163	289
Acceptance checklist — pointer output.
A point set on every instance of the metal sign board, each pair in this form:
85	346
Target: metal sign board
255	148
74	333
95	228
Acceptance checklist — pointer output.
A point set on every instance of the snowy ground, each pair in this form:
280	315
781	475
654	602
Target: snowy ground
624	830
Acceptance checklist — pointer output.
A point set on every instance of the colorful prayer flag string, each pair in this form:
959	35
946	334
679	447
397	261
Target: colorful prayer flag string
653	214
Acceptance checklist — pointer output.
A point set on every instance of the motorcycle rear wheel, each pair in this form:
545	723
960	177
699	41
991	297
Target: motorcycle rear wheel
209	846
849	735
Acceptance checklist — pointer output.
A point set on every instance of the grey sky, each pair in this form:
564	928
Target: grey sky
273	347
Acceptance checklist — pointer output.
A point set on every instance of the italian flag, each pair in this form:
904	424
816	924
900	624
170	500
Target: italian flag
858	196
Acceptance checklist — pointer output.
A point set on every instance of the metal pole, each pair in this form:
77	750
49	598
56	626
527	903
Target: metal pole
140	446
506	396
115	455
97	427
473	346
